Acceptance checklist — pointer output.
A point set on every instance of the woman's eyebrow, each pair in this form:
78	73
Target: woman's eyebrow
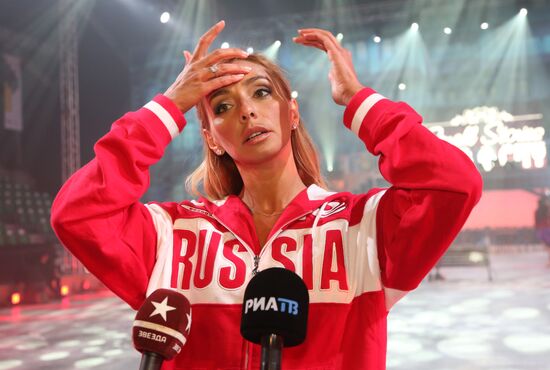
255	78
247	82
217	93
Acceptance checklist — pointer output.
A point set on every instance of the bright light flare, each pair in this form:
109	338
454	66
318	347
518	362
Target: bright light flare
447	30
377	39
225	45
523	12
294	94
64	291
250	50
277	43
165	17
402	86
15	298
414	26
484	25
340	37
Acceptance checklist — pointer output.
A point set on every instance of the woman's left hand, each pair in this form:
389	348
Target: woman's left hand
342	76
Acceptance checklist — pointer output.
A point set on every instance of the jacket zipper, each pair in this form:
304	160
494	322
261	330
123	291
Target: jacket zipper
256	265
254	272
248	348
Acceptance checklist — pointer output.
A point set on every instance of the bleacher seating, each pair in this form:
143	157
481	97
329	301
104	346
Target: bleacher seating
28	247
24	214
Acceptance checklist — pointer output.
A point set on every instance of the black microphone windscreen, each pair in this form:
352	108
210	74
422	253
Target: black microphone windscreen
276	301
162	323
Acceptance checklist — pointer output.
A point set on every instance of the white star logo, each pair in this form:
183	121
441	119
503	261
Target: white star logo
188	322
161	308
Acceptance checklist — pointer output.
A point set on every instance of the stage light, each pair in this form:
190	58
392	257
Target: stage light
225	45
484	25
377	39
476	257
447	30
294	94
64	291
164	17
414	26
250	50
272	50
15	298
330	167
339	37
402	86
523	12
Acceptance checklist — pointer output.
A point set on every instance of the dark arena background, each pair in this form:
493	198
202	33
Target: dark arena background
478	71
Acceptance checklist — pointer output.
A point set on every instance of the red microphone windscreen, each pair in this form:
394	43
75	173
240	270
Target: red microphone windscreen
162	323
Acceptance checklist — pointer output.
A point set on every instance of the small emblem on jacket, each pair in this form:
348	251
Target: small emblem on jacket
193	209
330	209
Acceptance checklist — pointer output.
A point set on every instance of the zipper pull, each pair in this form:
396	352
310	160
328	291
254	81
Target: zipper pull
256	264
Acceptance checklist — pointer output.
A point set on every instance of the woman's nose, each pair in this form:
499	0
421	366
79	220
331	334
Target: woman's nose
247	112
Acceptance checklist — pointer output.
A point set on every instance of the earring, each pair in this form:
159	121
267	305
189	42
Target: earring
219	151
294	126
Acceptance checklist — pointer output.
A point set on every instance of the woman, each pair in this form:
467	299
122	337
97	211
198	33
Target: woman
267	207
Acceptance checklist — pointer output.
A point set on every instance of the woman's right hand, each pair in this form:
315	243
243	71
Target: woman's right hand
198	79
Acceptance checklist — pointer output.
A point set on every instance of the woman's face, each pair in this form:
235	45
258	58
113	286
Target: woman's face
249	120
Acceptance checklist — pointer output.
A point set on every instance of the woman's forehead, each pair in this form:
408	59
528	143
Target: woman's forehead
258	73
257	69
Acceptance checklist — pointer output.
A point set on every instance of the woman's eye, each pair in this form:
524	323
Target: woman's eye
262	92
221	108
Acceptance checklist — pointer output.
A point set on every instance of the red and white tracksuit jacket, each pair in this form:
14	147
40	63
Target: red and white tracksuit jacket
358	254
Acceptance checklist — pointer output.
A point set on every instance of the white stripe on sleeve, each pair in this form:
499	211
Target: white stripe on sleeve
362	111
164	116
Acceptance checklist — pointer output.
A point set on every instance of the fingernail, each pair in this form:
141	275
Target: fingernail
246	68
240	75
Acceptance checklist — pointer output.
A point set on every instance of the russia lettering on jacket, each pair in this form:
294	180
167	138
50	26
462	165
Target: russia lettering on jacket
194	262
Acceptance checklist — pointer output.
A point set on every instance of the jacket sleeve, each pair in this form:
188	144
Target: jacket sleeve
97	214
434	188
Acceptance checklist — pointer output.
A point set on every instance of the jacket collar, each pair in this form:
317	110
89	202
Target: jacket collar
235	215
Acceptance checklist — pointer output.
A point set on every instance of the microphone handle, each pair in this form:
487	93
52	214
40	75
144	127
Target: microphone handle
272	349
150	361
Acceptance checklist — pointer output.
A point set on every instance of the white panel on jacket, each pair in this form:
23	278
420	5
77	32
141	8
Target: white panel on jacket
162	272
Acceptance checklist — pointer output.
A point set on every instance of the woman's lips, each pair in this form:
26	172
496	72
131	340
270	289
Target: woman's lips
258	138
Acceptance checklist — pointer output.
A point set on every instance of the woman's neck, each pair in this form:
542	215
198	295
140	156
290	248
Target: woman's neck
268	188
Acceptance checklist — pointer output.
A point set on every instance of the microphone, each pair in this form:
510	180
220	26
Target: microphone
274	313
161	327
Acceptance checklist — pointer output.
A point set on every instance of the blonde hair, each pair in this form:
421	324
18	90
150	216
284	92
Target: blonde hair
219	174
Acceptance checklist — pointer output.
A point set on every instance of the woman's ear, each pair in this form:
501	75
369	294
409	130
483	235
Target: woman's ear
211	142
294	113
